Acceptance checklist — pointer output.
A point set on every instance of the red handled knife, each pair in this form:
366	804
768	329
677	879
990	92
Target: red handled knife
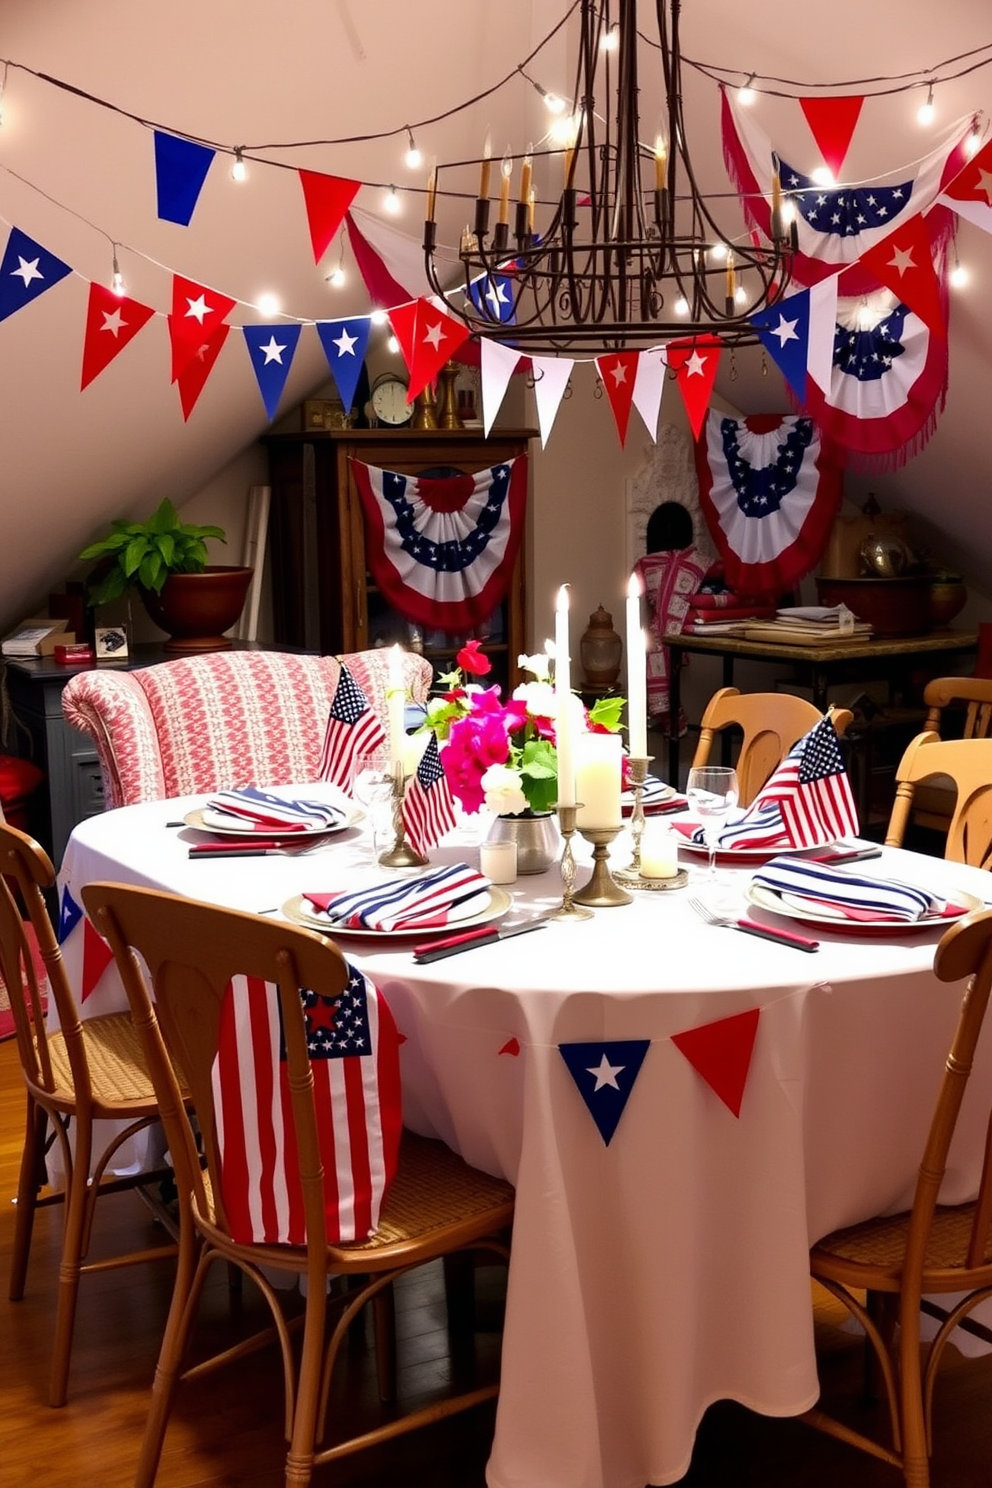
436	950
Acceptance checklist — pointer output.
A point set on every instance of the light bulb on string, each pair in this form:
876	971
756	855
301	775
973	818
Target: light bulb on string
391	202
747	95
378	317
239	171
336	278
414	159
958	277
392	345
719	252
925	112
681	306
866	318
117	285
823	176
268	304
972	140
740	295
611	38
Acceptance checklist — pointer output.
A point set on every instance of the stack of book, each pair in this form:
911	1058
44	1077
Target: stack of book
810	625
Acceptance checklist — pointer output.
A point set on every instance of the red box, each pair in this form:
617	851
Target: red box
74	655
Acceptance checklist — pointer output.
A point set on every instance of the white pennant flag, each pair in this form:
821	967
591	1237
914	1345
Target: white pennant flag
822	326
497	363
551	376
649	384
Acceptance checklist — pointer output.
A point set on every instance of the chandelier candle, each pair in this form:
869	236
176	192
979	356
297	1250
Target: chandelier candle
564	721
637	708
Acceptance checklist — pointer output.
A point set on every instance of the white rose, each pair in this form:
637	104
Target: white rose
504	796
538	698
537	665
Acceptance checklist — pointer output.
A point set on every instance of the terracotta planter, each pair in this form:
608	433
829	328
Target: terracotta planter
195	609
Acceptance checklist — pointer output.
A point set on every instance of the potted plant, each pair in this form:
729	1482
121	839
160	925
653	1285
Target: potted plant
165	560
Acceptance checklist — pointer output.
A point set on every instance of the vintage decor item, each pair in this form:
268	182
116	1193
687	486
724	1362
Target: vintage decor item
600	649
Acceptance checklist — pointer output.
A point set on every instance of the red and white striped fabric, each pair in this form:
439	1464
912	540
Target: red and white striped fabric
354	1055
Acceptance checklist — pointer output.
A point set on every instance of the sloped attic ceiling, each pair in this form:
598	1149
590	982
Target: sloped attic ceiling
78	177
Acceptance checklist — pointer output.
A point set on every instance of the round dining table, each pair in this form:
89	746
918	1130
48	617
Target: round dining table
682	1109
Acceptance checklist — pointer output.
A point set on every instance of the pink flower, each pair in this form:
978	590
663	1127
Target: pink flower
474	743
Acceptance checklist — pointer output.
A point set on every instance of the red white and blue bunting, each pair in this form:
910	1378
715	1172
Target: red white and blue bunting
442	548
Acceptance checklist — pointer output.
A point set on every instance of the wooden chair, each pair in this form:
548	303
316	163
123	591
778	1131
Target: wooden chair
436	1206
970	699
74	1077
967	765
771	722
933	1249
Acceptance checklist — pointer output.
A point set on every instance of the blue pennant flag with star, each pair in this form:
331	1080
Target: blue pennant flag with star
271	349
181	167
70	915
345	343
26	272
784	332
604	1074
492	296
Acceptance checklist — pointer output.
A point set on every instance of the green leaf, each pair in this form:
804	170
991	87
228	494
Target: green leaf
607	712
134	556
166	545
166	519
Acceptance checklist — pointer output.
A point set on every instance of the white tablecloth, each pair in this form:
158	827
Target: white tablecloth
668	1269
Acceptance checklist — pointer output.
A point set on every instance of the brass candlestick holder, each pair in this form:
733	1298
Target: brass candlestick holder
637	766
401	854
602	891
568	910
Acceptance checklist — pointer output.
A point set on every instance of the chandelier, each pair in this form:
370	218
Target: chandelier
631	255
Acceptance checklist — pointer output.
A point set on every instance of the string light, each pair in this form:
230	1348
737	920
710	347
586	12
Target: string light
747	95
391	202
972	141
239	171
414	159
611	38
552	102
740	295
117	278
562	131
268	304
392	345
719	252
958	276
925	112
378	316
3	89
823	176
681	306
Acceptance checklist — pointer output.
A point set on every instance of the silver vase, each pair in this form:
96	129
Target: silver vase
537	838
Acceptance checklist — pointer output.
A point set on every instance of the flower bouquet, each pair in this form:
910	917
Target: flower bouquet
503	755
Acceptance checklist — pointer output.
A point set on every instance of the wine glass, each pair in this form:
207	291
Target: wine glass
712	792
372	788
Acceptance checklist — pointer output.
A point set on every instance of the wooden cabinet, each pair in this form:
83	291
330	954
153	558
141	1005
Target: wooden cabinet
323	596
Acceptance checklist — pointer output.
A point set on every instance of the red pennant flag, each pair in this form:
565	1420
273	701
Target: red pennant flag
832	122
428	339
970	191
327	199
196	314
903	262
97	956
619	373
721	1053
193	378
694	362
111	322
512	1046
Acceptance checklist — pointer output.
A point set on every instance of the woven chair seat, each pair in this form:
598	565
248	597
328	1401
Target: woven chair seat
880	1244
118	1071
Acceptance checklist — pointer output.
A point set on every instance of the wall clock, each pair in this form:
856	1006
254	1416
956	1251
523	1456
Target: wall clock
387	402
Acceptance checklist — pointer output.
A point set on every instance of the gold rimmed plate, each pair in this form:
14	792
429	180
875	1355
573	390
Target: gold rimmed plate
299	911
205	820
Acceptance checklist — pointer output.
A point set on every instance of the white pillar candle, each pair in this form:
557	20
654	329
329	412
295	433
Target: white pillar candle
637	706
395	707
597	780
659	851
564	721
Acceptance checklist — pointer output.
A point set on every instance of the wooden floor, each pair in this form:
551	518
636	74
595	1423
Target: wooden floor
226	1432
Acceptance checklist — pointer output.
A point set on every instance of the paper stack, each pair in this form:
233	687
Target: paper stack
810	625
36	637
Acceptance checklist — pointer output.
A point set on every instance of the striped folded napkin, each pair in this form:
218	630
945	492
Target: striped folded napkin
250	807
427	902
655	796
850	895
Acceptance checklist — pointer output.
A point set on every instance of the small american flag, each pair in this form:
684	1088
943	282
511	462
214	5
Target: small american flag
353	729
354	1056
813	795
428	810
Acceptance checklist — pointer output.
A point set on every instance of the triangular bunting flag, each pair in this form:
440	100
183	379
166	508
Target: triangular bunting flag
970	192
618	370
496	365
832	122
721	1053
822	330
649	385
784	332
327	199
604	1074
196	314
428	339
193	378
70	915
512	1046
97	956
181	167
694	362
26	272
111	322
551	376
345	343
391	262
271	349
903	262
492	296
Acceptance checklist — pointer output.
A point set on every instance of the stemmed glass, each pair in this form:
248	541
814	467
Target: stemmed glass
712	793
372	788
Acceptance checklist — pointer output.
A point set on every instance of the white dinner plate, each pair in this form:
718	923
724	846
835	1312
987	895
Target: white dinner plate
297	909
219	823
751	854
822	914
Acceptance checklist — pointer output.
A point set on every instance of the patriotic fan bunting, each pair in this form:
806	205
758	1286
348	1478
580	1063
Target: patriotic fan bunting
271	349
26	272
181	167
354	1058
111	322
345	343
836	225
442	549
769	495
